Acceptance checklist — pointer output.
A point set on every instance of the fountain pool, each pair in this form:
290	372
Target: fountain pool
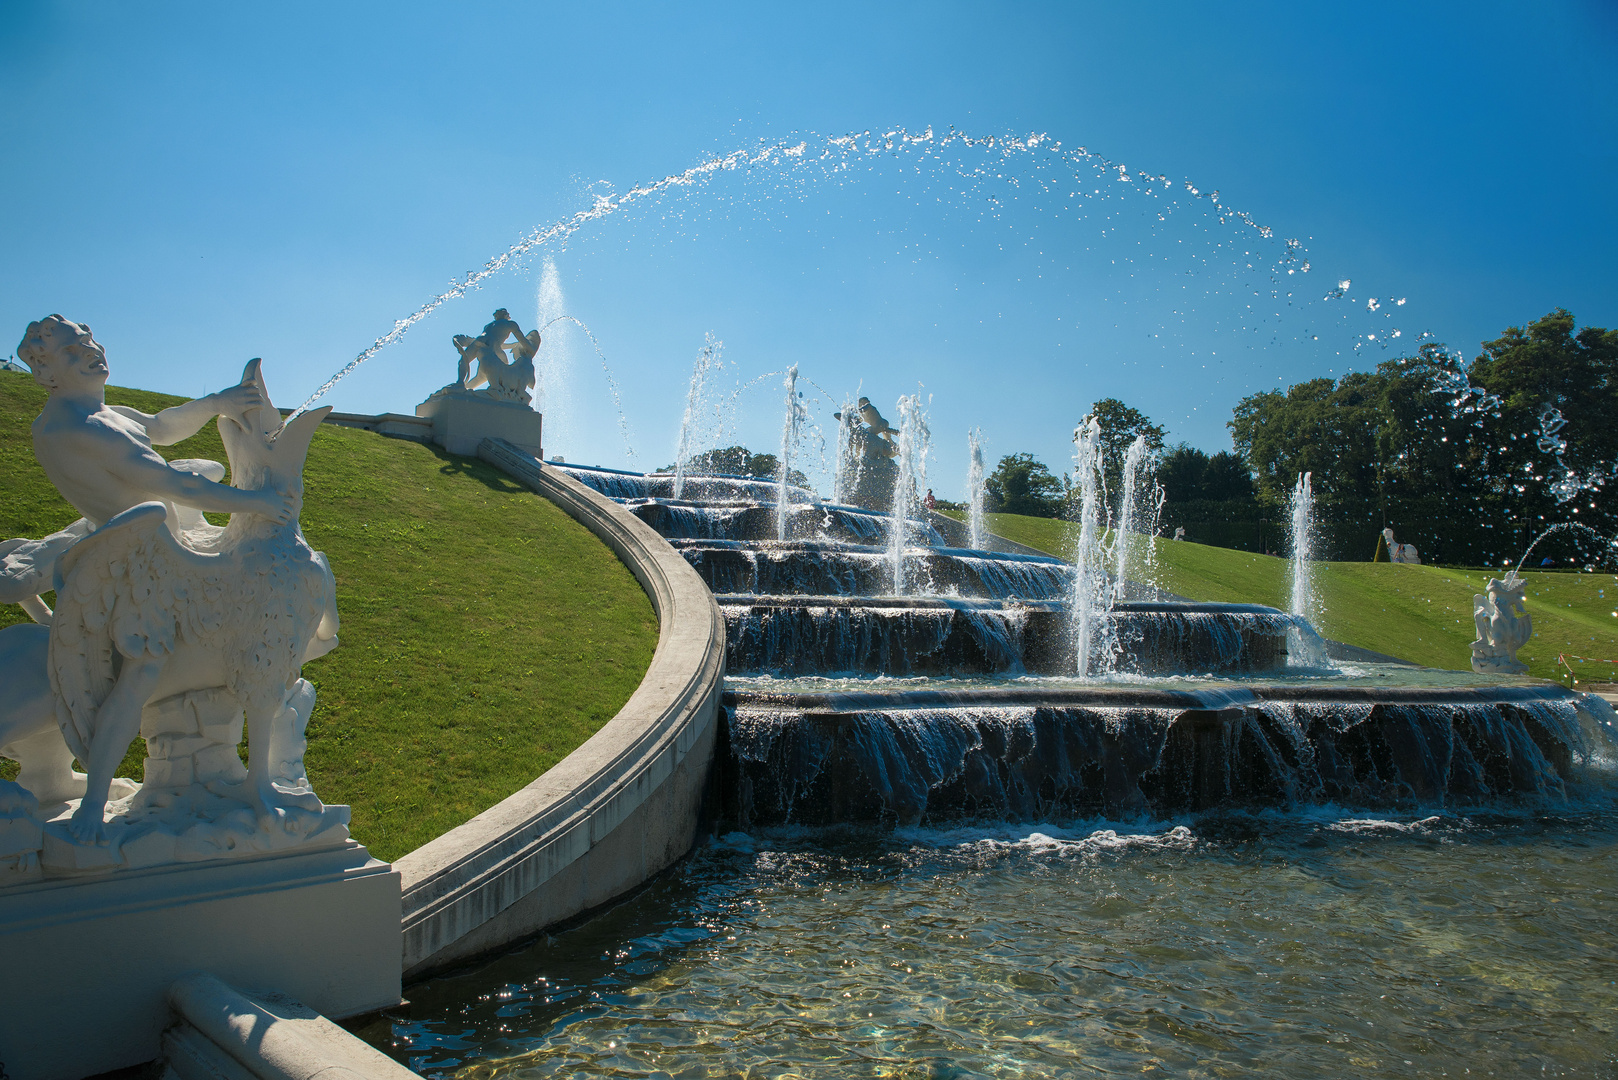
943	848
1324	944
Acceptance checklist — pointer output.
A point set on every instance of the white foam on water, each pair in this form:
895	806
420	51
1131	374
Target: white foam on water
1372	826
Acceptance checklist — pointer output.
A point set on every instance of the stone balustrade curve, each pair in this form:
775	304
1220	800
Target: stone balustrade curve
620	808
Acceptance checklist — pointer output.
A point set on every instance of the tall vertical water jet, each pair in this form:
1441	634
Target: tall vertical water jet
554	366
974	488
795	416
706	360
1305	648
1092	595
908	483
1303	542
1127	539
846	477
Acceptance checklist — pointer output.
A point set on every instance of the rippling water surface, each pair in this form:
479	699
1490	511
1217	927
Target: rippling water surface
1322	945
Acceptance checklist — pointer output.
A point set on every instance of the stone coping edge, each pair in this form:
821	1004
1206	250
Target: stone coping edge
225	1033
466	878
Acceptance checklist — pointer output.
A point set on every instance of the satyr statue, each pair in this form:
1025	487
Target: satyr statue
1504	626
483	361
165	625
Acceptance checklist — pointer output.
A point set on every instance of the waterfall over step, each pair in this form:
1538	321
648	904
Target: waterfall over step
825	568
947	636
816	761
757	522
1003	725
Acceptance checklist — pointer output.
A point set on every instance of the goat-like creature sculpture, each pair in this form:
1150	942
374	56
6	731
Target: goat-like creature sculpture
165	624
139	616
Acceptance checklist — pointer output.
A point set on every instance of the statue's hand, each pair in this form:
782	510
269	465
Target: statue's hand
281	506
239	399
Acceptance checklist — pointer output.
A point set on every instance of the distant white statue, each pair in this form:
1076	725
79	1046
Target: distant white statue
165	625
1503	626
483	361
1397	552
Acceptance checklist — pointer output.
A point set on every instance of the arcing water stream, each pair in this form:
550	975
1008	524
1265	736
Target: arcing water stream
1001	179
984	174
1609	544
612	383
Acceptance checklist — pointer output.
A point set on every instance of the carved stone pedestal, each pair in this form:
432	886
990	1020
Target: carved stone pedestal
88	959
463	418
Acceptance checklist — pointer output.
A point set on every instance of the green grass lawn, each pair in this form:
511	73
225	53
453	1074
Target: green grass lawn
1418	613
485	633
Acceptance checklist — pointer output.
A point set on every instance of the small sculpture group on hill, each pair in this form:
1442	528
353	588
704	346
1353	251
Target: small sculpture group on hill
484	361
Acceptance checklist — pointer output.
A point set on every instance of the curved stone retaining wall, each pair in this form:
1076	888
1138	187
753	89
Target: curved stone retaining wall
611	814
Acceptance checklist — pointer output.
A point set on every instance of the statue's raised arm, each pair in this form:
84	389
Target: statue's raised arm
100	457
186	419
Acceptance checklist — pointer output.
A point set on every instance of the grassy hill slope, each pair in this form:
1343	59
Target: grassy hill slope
1419	613
485	633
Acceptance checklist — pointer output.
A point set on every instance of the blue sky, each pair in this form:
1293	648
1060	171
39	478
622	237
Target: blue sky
207	183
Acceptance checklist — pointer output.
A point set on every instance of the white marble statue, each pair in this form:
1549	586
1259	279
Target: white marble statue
1503	625
165	625
1397	552
483	361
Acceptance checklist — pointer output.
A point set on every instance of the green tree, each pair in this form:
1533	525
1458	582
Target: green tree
1121	425
1181	472
1320	426
737	461
1393	432
1422	447
1021	484
1188	474
1549	365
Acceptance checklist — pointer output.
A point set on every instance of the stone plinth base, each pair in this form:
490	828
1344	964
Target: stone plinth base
463	418
88	960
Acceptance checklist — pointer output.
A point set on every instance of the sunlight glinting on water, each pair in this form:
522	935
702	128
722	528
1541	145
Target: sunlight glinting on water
1312	944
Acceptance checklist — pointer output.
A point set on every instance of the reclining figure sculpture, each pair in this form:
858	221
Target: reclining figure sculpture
165	625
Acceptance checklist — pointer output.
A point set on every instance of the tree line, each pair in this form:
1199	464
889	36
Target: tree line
1470	459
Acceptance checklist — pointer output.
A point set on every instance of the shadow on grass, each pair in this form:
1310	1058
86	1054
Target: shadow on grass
475	469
